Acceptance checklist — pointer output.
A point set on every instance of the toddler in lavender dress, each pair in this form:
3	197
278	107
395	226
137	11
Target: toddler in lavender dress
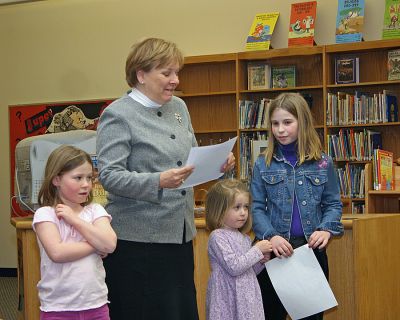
233	291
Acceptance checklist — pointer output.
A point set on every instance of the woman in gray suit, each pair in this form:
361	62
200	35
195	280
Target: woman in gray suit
143	141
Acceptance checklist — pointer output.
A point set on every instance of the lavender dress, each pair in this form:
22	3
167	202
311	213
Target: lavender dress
233	292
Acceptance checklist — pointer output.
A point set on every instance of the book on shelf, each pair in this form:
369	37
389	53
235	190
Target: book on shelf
252	114
257	147
258	76
350	145
357	207
391	23
308	97
391	106
283	76
302	22
349	21
394	64
361	108
246	151
346	69
374	142
383	170
259	37
351	181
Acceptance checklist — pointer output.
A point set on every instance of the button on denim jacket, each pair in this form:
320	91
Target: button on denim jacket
316	186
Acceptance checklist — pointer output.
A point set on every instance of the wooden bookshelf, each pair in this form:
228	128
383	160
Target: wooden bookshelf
208	87
373	77
213	85
381	200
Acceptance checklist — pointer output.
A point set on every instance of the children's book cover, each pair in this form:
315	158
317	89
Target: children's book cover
391	24
346	70
283	77
349	21
258	76
261	30
394	64
302	21
384	170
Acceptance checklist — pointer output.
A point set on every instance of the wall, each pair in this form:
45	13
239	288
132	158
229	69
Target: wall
75	50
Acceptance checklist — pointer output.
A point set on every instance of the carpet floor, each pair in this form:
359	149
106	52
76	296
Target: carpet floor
8	298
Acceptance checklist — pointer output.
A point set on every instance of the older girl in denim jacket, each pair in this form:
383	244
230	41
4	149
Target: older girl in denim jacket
296	198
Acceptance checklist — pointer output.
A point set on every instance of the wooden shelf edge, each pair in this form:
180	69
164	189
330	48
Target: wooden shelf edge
279	53
359	46
343	199
363	84
384	192
215	131
381	124
206	94
283	89
210	58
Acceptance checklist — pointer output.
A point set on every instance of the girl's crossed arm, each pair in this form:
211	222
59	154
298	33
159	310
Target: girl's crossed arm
99	233
58	251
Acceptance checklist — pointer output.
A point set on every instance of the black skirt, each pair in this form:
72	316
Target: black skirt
151	281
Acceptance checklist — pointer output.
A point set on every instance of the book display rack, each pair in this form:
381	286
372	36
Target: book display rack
215	89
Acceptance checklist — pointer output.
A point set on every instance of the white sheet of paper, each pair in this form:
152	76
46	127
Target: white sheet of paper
207	162
301	284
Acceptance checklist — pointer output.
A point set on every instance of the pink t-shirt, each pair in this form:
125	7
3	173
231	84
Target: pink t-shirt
71	286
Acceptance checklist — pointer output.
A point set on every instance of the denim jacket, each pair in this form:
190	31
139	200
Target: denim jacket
317	190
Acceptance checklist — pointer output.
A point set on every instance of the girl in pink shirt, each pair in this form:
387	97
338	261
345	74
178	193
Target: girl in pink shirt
73	235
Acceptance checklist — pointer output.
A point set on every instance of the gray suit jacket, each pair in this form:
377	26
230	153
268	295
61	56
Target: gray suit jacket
134	145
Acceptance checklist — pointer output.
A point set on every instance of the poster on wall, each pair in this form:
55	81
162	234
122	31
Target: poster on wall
37	119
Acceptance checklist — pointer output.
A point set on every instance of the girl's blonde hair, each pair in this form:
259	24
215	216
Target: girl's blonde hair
62	160
308	142
148	54
220	198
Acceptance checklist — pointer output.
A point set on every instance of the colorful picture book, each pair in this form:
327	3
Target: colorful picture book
346	69
383	170
349	21
261	30
283	77
391	23
302	21
258	76
394	64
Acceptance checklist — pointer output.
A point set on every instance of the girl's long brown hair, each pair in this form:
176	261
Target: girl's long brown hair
63	159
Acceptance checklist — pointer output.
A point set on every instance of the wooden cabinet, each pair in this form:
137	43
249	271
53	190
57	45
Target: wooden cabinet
363	268
213	86
28	269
